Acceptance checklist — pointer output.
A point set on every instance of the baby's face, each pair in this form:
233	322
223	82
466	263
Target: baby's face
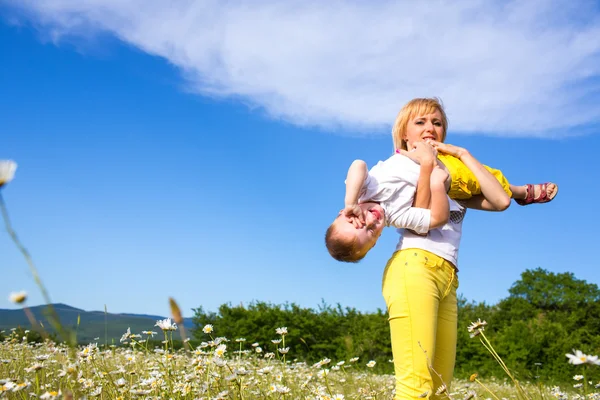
365	236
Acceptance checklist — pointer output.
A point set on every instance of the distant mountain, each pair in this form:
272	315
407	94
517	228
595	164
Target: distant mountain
94	326
187	322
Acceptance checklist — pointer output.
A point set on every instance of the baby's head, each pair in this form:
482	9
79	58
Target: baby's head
348	240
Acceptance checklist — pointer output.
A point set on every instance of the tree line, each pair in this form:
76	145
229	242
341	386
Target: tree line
545	316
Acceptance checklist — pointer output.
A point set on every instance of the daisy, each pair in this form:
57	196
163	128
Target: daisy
220	350
441	389
7	171
166	324
476	327
281	331
283	389
49	395
126	336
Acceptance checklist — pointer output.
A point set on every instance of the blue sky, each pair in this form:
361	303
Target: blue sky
147	170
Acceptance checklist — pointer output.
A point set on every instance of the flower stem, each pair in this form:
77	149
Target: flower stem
53	317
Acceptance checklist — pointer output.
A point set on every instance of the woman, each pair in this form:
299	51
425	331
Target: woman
420	279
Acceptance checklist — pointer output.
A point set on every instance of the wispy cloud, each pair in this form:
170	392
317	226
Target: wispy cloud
521	68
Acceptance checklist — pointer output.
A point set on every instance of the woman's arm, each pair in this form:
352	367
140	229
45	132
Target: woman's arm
493	197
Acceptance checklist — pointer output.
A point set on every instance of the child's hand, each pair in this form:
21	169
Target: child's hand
422	153
439	176
450	149
354	214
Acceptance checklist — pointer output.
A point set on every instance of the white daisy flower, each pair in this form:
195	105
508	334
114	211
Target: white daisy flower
166	324
442	389
283	389
220	350
282	331
7	171
476	327
49	395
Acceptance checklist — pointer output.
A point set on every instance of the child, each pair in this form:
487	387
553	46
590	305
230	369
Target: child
384	196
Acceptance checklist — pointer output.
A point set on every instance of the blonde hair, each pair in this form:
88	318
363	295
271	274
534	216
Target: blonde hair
342	249
412	109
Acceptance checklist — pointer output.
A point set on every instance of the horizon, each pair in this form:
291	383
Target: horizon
168	158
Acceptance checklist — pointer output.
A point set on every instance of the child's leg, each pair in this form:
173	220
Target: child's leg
536	193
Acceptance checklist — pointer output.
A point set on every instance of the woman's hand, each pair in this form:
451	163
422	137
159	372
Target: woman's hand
422	153
450	149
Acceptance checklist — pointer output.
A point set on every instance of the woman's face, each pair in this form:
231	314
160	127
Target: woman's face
424	127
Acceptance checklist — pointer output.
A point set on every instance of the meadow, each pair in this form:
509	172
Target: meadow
221	368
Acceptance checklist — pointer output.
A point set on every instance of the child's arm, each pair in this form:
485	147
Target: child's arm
423	193
431	194
493	197
431	190
440	210
357	174
424	155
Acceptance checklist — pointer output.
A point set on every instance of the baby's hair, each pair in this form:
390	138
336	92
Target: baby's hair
414	108
340	249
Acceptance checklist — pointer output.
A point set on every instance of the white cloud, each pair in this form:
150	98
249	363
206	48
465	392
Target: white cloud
522	68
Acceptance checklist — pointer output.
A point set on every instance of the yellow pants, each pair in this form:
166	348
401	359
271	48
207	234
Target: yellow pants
464	184
420	292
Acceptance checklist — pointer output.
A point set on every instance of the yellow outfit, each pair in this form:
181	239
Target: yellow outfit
464	184
419	289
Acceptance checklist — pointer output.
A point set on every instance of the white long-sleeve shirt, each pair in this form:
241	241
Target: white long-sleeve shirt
393	183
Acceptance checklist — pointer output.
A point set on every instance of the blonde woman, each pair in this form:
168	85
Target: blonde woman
420	279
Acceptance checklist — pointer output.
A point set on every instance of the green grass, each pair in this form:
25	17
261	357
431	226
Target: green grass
217	369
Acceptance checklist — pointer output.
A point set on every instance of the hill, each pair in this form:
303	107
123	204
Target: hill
93	324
